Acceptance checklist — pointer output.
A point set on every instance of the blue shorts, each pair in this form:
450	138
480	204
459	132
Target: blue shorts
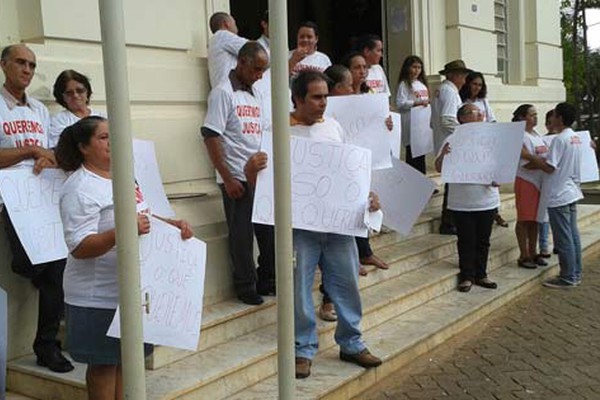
86	336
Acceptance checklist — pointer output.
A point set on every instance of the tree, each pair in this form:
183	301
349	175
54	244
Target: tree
581	68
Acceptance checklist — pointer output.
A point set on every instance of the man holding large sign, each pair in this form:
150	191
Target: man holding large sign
23	144
337	255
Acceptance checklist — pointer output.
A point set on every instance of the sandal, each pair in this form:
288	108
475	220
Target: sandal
465	286
526	263
374	260
500	221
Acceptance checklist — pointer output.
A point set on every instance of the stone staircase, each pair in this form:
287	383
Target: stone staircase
407	310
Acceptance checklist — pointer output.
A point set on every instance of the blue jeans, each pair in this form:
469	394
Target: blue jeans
543	231
563	221
338	258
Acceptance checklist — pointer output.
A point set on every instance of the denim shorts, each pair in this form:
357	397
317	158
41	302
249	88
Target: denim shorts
87	341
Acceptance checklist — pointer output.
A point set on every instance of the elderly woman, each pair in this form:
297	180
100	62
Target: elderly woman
474	207
73	91
90	278
305	56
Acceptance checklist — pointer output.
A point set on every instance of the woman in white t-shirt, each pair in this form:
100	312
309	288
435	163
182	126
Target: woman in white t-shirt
473	208
412	92
371	48
528	184
73	91
90	278
305	56
474	91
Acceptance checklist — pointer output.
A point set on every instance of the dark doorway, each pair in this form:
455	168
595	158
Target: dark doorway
340	21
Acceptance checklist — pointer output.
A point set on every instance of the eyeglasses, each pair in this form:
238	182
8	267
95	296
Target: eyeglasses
71	93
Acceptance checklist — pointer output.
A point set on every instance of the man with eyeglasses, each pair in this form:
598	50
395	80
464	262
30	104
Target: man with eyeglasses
24	124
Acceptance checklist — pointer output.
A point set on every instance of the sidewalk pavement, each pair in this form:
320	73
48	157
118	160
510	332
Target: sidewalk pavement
545	345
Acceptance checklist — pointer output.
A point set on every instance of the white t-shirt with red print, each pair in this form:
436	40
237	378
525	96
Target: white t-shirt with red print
535	145
377	81
236	115
86	208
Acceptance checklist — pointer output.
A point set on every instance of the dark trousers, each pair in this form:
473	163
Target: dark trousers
48	279
265	238
238	213
473	230
447	219
417	163
364	248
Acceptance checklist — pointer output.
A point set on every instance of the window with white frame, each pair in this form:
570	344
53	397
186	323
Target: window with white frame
501	30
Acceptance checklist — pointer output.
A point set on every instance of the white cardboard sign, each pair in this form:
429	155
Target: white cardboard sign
421	135
172	276
484	152
589	162
148	177
32	203
403	193
363	119
330	187
396	135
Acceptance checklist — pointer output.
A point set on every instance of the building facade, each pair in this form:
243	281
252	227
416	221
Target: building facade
515	43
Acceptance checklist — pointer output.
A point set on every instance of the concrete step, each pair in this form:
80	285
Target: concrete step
227	368
228	319
405	337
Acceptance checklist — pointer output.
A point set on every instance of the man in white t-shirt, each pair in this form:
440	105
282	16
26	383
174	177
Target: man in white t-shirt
561	192
23	144
223	47
444	107
232	133
337	255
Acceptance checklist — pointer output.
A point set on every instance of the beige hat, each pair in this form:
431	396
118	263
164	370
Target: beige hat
455	66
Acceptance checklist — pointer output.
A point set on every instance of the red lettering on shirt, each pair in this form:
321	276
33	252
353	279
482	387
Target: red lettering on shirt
575	140
375	84
22	126
251	128
247	111
541	149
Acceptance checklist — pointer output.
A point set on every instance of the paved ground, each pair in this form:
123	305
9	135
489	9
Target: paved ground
545	345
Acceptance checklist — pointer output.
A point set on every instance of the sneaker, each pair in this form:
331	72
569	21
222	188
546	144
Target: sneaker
558	283
327	312
365	359
251	298
465	286
302	367
486	283
54	360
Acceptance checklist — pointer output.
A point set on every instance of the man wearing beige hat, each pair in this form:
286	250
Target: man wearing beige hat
444	106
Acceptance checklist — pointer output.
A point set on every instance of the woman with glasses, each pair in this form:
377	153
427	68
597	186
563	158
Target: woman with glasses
73	91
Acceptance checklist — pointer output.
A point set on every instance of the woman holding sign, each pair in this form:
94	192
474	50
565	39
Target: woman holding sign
90	279
527	188
357	67
474	207
474	91
412	92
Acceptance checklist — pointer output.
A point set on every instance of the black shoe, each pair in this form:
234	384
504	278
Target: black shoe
465	286
539	260
54	361
486	283
266	289
251	298
555	250
447	229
